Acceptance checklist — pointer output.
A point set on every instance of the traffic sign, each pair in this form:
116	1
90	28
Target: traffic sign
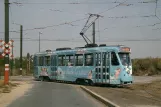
6	47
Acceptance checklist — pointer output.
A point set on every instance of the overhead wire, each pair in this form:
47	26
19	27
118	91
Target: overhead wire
156	15
85	18
61	11
124	17
129	16
44	27
69	40
73	3
85	2
68	23
86	27
133	16
156	8
138	26
112	7
156	11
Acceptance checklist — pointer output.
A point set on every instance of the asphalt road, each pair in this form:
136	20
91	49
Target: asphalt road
51	94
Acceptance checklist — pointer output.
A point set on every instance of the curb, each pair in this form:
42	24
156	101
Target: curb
100	98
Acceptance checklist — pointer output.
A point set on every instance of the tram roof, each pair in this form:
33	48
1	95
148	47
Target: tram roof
84	50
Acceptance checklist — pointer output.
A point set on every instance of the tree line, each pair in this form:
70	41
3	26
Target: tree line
27	66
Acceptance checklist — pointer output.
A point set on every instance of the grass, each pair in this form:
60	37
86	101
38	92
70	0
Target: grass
7	88
1	83
153	88
146	66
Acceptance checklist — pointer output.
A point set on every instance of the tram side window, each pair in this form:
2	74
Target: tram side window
47	60
79	60
35	60
41	61
98	59
54	60
114	60
104	58
107	59
88	59
61	60
69	60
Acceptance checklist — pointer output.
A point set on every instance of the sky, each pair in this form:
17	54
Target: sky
134	23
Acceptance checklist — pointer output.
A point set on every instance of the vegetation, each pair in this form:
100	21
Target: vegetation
7	88
15	66
147	66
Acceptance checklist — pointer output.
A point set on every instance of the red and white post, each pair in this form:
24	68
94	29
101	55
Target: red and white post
6	53
6	74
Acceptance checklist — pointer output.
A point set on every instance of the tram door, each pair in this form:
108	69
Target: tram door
54	67
102	68
35	67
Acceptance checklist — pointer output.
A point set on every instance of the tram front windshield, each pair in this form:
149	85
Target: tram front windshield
125	59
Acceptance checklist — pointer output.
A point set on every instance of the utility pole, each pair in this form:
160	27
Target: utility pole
6	74
39	40
21	49
93	32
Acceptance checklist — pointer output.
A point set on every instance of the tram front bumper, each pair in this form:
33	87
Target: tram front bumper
127	80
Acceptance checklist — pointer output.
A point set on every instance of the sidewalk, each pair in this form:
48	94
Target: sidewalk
16	92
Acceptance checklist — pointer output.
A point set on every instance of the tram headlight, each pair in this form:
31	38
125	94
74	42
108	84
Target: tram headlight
127	69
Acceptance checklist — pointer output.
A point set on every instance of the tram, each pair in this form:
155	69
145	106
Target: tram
93	65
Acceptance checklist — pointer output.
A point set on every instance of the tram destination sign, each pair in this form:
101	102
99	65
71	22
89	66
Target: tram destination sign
125	49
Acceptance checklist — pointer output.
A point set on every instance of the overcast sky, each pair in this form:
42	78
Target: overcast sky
120	24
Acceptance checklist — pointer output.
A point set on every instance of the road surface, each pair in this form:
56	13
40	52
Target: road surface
51	94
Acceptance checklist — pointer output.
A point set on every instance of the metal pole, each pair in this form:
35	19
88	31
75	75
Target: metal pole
6	74
28	59
39	41
93	32
21	49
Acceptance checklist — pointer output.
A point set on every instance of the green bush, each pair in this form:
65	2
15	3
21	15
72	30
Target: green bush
146	66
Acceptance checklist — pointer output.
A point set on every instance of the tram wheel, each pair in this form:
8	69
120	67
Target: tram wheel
77	81
41	78
90	82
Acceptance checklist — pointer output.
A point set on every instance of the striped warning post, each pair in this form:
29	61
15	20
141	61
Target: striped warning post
6	74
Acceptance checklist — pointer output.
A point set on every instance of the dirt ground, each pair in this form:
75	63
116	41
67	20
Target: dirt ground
135	95
15	90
